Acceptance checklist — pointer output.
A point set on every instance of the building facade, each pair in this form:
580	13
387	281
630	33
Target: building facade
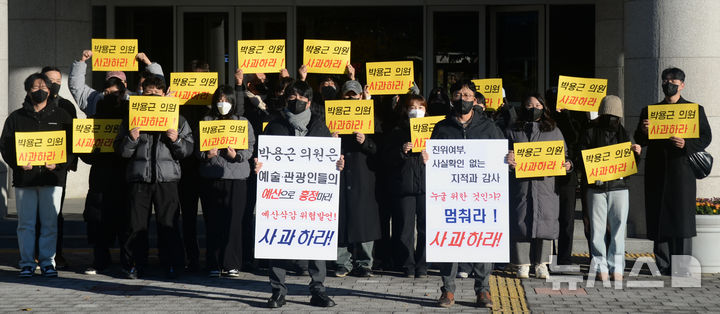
528	43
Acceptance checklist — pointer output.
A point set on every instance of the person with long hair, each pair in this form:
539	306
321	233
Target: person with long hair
534	202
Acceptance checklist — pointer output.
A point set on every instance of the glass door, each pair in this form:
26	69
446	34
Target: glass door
206	34
517	49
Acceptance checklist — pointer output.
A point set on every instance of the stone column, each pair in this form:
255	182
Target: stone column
46	32
662	34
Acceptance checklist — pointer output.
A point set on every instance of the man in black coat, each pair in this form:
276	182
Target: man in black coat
298	120
670	185
465	122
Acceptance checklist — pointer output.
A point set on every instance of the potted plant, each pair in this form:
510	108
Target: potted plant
705	244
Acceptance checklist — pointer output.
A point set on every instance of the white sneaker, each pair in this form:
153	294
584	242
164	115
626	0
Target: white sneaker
523	271
541	271
462	274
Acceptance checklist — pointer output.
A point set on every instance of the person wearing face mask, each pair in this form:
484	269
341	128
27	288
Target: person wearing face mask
298	120
670	185
106	213
534	202
223	174
38	189
609	201
152	173
407	182
359	216
465	121
85	96
55	77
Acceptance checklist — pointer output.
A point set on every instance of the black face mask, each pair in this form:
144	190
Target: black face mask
533	114
296	106
669	89
261	89
462	106
38	96
328	92
54	89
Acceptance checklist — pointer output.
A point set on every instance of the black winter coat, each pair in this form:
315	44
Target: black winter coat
406	171
25	119
670	185
600	134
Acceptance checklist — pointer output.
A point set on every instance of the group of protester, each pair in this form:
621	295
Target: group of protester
382	180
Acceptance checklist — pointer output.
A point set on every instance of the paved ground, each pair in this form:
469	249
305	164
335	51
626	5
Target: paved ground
386	292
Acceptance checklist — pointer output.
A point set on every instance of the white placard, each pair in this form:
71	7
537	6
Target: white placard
298	191
467	201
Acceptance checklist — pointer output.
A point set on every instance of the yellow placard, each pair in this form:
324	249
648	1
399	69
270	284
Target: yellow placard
223	134
114	54
348	116
89	134
193	88
40	148
539	159
264	125
491	89
580	94
420	131
153	113
679	120
326	56
608	163
261	56
389	78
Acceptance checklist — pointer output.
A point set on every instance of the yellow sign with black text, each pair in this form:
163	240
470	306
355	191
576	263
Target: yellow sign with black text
89	134
421	129
679	120
114	54
40	148
539	159
326	56
608	163
193	88
491	89
348	116
261	56
153	113
580	94
389	78
223	134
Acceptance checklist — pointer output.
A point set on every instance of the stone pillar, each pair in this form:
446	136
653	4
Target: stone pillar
46	32
662	34
609	60
3	98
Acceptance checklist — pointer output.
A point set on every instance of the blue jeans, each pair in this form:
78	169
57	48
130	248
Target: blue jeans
34	202
608	209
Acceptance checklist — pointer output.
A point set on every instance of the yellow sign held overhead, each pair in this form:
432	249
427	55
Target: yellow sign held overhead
153	113
261	56
223	134
679	120
193	88
348	116
326	56
89	134
40	148
608	163
491	89
114	54
580	94
539	159
389	78
420	131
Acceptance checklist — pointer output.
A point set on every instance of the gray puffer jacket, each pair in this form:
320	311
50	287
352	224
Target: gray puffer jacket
222	166
153	157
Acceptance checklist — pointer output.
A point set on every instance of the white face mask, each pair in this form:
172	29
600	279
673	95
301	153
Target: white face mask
224	107
416	113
